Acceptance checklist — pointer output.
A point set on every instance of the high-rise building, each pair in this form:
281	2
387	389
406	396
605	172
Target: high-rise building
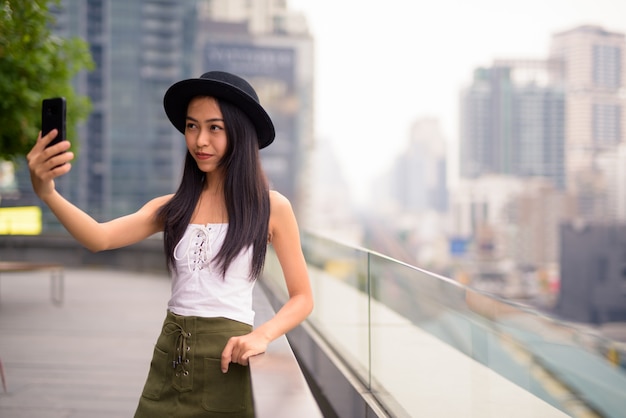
330	212
261	17
534	217
620	184
418	177
593	269
270	47
512	122
594	62
560	119
128	152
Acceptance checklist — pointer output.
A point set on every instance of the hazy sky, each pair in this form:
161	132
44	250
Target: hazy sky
382	64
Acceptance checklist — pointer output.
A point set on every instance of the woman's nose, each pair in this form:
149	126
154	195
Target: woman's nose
202	139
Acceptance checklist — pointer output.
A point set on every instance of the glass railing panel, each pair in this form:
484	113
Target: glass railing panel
447	338
338	276
559	362
426	345
418	341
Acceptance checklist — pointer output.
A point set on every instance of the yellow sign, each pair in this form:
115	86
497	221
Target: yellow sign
25	220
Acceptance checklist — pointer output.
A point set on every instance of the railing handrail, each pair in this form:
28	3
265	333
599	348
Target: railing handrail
278	385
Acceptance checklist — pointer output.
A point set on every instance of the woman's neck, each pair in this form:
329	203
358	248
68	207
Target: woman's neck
213	184
211	206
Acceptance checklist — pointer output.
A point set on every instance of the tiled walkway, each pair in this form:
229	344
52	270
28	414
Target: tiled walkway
86	358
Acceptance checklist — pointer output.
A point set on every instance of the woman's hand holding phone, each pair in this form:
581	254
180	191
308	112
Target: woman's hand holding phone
47	162
49	158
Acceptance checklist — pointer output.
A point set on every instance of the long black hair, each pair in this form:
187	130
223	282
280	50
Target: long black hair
246	193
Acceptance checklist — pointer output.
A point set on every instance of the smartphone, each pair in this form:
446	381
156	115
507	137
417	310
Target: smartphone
53	117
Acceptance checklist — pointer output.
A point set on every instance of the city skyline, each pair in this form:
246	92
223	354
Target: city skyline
353	55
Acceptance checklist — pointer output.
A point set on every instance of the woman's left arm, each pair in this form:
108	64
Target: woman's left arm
285	238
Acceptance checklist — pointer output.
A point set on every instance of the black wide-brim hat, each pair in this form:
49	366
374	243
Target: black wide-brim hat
222	86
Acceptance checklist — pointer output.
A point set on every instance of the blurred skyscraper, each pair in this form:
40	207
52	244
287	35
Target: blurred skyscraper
128	151
269	46
409	200
593	264
512	122
331	212
594	62
561	119
418	177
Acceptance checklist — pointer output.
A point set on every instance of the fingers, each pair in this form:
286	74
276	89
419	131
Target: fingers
45	164
40	144
43	141
58	170
240	349
49	137
40	151
227	355
234	352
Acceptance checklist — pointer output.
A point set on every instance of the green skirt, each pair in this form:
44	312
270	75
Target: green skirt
185	378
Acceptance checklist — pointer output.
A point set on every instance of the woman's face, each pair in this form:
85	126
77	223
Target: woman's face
205	134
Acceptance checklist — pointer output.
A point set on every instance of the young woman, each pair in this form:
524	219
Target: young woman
216	229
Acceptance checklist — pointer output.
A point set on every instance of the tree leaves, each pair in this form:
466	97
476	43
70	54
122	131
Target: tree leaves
35	64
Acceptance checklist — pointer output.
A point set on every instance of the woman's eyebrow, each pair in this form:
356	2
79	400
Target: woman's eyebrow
207	120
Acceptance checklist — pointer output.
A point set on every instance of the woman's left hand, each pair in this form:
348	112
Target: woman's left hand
285	238
240	349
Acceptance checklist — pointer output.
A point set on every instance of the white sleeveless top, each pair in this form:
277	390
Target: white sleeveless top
198	288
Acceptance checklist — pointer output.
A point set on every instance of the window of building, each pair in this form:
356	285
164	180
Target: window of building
606	124
607	66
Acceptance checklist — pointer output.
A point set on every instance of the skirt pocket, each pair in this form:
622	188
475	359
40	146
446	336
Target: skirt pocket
225	392
157	376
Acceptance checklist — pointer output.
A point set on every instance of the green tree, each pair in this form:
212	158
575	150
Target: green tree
35	64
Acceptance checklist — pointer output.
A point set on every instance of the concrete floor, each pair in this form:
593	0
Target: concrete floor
86	358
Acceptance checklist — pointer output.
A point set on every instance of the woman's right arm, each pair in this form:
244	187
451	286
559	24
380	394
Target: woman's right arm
46	164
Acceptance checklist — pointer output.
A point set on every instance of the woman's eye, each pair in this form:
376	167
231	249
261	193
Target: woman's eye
190	125
216	127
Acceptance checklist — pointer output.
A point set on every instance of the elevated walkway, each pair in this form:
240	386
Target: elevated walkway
89	357
86	358
384	340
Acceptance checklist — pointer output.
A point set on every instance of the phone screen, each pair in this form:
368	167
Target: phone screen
53	117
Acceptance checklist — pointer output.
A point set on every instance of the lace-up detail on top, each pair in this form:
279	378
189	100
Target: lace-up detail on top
198	286
199	247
